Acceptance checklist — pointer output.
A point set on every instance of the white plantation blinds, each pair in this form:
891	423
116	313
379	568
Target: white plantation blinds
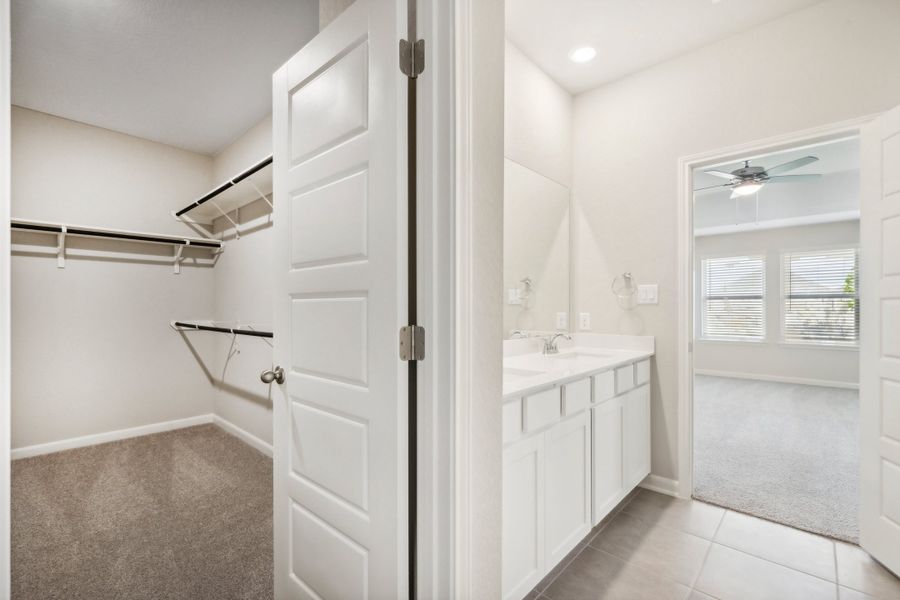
821	302
733	290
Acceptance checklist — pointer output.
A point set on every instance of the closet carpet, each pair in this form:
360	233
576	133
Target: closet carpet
185	514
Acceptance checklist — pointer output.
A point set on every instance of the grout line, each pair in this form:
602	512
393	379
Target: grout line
834	552
708	550
777	564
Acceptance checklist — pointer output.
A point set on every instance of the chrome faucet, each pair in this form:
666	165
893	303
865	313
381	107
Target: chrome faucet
550	342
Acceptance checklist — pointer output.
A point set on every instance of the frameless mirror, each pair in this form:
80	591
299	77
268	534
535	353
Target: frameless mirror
535	252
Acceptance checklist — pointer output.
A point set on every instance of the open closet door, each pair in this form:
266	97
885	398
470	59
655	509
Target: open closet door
879	524
339	415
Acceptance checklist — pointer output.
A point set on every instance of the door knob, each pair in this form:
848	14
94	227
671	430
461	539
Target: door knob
270	375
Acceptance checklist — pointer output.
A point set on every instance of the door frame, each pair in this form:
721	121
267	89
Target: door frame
5	323
686	166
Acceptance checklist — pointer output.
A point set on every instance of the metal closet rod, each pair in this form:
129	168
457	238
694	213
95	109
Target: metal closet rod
251	332
132	236
228	184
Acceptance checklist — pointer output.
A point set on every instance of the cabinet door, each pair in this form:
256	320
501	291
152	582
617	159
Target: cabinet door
608	479
636	435
523	516
567	475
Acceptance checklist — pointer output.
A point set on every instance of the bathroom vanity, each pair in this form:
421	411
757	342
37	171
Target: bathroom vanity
576	437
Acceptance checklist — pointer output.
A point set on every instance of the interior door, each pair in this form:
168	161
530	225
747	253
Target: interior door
339	417
879	526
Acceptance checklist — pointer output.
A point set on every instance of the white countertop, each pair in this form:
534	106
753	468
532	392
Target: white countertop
526	370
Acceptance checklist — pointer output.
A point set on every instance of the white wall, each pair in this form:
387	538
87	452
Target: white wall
244	288
831	62
538	174
92	350
771	359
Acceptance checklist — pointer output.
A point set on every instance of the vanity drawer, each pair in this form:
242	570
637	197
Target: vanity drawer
642	372
542	409
624	378
577	396
604	386
512	420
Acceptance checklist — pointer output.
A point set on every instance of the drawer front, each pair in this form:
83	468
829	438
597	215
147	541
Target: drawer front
604	386
577	396
624	378
642	372
542	409
512	420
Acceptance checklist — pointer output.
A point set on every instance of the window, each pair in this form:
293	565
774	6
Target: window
733	305
821	301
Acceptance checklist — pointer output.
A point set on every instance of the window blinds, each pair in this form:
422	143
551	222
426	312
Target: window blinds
733	290
821	301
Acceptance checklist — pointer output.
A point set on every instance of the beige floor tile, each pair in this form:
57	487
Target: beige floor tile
668	552
845	593
787	546
857	570
689	516
732	575
695	595
596	575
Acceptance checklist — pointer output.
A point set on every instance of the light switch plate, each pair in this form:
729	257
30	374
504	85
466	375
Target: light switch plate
584	321
562	320
648	293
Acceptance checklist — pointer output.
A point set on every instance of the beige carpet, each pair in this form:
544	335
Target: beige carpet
185	514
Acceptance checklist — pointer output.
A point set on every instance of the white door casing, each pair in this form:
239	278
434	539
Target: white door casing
339	418
879	522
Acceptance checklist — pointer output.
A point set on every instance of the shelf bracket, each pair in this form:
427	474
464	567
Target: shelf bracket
261	195
61	249
237	230
179	251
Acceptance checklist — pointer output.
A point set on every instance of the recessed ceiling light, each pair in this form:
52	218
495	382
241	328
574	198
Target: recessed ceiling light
582	55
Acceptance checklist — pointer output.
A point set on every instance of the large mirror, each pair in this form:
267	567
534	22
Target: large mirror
535	252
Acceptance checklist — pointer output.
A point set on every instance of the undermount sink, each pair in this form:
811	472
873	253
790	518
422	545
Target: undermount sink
511	373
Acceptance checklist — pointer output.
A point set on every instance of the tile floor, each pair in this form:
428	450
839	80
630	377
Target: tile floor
655	547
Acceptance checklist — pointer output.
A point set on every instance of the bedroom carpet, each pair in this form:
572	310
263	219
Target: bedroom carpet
788	453
185	514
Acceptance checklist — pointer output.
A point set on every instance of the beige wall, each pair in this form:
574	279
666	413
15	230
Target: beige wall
244	291
330	9
833	61
91	344
771	359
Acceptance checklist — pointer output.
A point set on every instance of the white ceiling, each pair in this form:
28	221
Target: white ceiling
189	73
629	35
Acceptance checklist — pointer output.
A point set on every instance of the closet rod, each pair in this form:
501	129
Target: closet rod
132	236
228	184
252	332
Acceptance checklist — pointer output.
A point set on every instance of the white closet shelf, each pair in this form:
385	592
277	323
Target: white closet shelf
62	231
229	195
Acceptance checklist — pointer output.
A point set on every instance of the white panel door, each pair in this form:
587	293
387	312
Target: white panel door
523	517
879	392
608	480
567	501
339	418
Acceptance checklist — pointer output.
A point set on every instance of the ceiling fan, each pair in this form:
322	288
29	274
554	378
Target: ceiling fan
749	180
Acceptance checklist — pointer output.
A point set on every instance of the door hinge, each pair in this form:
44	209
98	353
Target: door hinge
412	342
412	58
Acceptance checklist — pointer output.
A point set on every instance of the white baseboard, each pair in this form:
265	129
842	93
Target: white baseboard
779	379
663	485
109	436
244	435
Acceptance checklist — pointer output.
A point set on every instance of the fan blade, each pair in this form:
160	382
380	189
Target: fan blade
792	178
790	166
709	187
722	174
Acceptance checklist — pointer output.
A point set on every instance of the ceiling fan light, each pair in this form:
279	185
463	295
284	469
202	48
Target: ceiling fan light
747	188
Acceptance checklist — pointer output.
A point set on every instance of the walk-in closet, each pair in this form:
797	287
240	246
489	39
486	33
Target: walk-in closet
142	295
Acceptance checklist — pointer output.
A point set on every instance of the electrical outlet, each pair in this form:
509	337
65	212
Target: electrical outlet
584	321
513	296
648	293
562	320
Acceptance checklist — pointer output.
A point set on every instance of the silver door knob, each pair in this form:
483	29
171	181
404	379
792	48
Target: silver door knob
270	375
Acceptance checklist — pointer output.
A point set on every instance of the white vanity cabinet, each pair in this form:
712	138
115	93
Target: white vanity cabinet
572	452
